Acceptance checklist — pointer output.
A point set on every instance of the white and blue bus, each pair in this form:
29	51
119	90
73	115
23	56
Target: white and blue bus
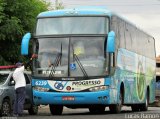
91	58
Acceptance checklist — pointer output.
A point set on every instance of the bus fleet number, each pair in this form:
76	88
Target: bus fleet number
41	83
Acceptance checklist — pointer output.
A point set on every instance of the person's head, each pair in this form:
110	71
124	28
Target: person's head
19	64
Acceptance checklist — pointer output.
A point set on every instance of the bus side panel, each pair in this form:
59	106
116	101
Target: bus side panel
114	90
131	70
150	78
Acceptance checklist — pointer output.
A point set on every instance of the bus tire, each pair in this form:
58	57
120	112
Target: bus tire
56	109
116	108
144	107
33	110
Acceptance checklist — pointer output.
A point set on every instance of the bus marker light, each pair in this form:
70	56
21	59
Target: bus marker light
68	88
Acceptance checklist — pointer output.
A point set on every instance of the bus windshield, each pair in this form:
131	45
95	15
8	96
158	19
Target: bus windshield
56	56
72	25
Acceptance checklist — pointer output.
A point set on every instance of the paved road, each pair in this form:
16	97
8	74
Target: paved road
44	113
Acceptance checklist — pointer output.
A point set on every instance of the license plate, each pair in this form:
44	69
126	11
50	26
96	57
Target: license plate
68	98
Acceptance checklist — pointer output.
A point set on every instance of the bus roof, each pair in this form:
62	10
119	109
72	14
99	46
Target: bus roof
88	10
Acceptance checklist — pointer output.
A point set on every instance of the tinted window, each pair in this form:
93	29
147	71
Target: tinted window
121	27
132	38
128	37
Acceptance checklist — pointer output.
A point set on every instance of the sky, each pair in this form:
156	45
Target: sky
145	14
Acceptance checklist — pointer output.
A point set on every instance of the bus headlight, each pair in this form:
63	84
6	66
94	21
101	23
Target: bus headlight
40	89
98	88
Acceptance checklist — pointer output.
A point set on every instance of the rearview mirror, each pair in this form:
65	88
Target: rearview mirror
25	44
110	42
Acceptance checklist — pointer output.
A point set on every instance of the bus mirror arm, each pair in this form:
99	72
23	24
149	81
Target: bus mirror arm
111	64
25	44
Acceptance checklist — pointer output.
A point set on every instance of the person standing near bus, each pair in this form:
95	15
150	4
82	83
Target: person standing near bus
20	84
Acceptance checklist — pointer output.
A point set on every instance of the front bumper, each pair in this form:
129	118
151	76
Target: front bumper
100	97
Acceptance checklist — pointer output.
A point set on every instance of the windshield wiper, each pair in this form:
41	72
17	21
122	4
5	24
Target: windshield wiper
75	58
57	61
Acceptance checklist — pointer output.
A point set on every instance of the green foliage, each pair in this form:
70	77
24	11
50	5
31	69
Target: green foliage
16	18
58	5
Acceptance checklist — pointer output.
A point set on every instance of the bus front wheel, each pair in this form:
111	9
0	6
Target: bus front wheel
116	108
56	109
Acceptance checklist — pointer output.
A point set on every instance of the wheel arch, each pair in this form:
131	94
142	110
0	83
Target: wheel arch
7	98
122	90
148	93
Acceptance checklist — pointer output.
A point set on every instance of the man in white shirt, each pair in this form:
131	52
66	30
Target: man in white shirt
19	77
20	84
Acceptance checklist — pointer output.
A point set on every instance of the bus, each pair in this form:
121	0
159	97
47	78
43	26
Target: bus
91	58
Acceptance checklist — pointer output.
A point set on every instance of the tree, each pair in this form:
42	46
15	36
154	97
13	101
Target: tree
57	5
16	18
